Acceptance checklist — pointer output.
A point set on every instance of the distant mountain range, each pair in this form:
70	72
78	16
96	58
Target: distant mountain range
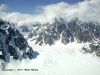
66	32
74	30
14	45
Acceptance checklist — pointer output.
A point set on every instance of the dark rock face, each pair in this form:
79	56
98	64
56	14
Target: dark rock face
13	44
24	28
92	48
66	32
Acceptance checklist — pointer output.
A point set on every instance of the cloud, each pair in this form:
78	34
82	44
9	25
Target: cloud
3	7
88	10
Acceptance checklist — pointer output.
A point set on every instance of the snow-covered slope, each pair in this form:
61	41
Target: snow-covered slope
12	44
74	30
57	59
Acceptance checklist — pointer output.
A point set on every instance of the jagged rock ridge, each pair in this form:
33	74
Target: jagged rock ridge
12	44
75	30
93	48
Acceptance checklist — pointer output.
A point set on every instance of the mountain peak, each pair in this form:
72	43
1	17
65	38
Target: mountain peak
66	32
12	44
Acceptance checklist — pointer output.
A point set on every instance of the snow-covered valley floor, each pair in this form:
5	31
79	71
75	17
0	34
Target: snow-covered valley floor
56	60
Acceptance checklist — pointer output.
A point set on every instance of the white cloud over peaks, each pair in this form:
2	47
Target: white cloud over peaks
88	10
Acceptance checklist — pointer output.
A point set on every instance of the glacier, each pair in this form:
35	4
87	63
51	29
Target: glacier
58	59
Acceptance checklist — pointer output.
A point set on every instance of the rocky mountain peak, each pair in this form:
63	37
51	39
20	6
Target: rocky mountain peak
74	30
12	44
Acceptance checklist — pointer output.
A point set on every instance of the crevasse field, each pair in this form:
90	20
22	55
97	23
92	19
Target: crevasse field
58	59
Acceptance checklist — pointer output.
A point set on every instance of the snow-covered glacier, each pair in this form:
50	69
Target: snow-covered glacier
58	59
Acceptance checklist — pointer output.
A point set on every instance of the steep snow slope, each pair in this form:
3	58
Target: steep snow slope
58	59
